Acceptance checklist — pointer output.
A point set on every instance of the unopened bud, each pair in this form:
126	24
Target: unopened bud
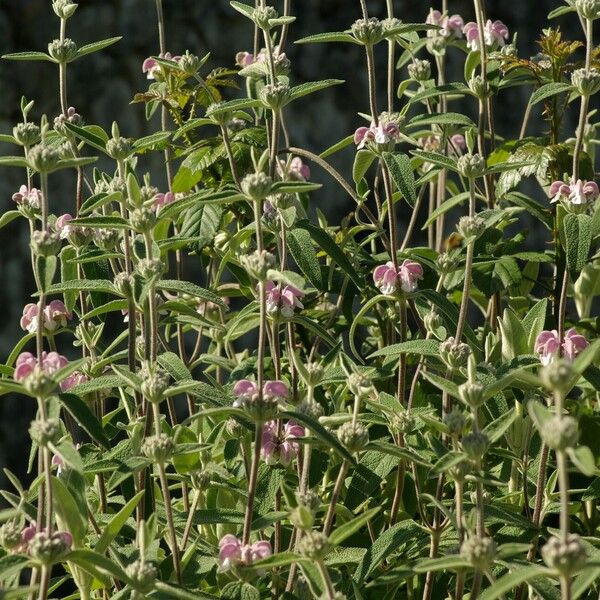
158	448
355	436
475	444
560	432
63	51
420	70
471	165
368	31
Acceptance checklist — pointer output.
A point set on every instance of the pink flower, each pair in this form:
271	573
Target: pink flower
494	33
55	316
246	391
28	198
283	301
458	143
30	532
548	344
26	363
27	533
576	192
161	200
283	449
58	462
75	378
232	553
153	69
298	170
244	59
451	27
386	131
573	343
387	278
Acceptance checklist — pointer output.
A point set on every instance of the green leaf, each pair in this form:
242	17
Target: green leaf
316	328
444	208
452	119
402	173
511	580
343	532
13	161
578	239
583	459
303	252
83	285
174	365
104	222
437	159
362	161
360	314
539	413
534	320
333	36
277	560
84	417
244	9
420	347
88	136
114	526
68	510
312	86
185	287
28	56
8	217
172	591
548	90
452	562
96	46
324	241
98	565
390	541
320	432
496	429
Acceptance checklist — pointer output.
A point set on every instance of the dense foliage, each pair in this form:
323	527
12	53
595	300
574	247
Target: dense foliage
332	410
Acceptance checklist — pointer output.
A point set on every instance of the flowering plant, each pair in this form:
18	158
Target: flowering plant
237	399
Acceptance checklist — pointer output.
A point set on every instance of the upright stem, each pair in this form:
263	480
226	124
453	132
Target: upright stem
391	66
252	484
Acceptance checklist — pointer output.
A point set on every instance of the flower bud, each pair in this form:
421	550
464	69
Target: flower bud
479	86
368	31
143	574
480	552
71	117
475	444
10	536
107	239
446	263
189	63
257	186
586	81
460	471
48	548
302	517
27	134
309	499
43	158
471	165
118	148
360	385
588	9
262	15
560	432
471	227
565	557
471	393
314	372
454	354
143	219
258	264
150	269
44	432
64	9
455	421
433	321
310	408
556	375
63	51
155	382
403	422
201	479
234	428
313	545
420	70
355	436
275	95
158	448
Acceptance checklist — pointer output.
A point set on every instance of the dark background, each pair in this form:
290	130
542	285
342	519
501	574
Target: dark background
102	85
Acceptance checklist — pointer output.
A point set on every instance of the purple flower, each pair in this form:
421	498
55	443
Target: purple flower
458	143
233	553
386	131
548	344
494	34
162	200
246	391
153	69
244	59
51	363
297	170
450	26
576	192
28	198
55	316
390	281
283	301
280	448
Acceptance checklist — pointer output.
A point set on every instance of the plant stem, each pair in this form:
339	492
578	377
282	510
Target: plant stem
339	482
164	484
329	589
252	484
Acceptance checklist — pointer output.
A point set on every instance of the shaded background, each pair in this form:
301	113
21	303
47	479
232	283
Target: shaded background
102	85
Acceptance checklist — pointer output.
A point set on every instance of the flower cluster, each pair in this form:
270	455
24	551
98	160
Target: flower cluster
232	553
391	280
548	345
246	392
153	68
576	192
55	316
283	301
28	198
495	34
280	446
383	133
